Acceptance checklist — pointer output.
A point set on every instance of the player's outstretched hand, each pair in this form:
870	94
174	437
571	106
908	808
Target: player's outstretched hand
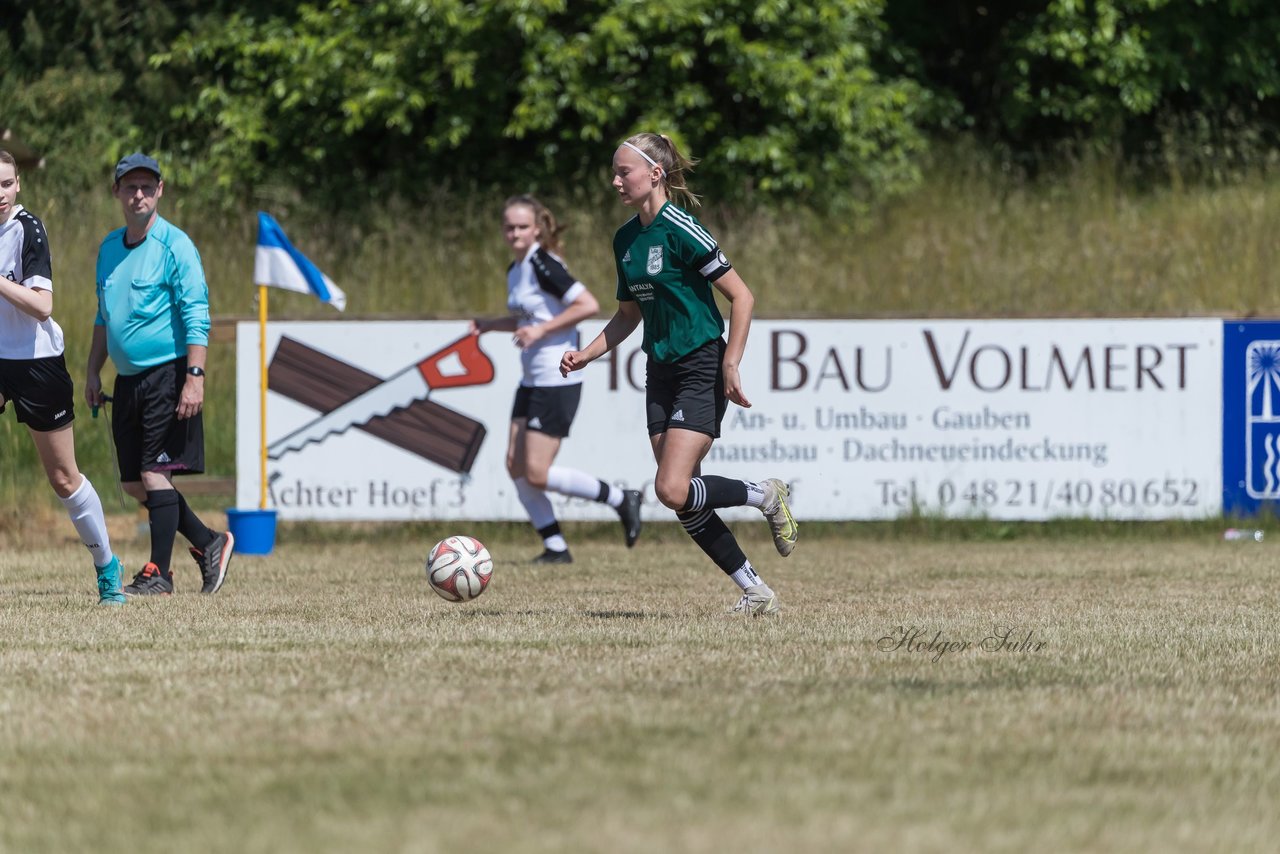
574	360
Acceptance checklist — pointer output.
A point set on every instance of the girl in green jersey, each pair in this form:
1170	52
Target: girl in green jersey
668	265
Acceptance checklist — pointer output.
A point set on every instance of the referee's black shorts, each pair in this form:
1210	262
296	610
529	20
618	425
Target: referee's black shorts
144	421
687	393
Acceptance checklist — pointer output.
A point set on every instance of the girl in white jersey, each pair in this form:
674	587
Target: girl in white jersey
546	305
669	270
33	373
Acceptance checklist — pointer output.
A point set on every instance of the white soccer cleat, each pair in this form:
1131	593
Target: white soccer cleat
775	510
758	601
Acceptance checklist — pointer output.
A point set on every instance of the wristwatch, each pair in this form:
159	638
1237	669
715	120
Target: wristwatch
195	372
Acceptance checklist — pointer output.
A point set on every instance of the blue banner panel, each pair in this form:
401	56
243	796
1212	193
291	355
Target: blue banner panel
1250	417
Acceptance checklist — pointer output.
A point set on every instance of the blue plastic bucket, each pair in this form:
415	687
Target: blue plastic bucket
254	530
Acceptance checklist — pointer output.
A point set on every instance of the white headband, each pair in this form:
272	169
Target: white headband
647	158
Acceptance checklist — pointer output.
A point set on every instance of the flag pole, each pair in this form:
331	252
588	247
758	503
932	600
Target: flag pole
262	397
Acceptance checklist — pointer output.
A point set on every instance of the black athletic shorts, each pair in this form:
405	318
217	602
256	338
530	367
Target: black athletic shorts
549	409
144	421
687	393
40	390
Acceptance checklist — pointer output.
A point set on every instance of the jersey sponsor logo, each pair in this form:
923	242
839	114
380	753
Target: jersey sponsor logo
654	267
626	257
678	415
642	291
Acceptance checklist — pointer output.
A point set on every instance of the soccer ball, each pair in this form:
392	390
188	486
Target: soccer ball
459	568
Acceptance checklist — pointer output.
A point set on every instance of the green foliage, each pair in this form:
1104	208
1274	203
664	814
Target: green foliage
828	104
361	98
78	83
1142	74
777	99
1106	63
69	113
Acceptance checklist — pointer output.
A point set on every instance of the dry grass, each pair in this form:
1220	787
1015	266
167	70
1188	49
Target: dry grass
328	701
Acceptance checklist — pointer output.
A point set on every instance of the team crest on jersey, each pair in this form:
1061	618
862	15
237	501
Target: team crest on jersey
654	267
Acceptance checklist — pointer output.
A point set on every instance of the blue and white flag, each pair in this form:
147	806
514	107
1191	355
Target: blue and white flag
278	265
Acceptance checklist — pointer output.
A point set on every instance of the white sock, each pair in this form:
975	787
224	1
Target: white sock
579	484
556	543
745	576
85	509
536	503
755	494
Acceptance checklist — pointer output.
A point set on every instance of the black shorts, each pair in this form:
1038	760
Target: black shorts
549	409
687	393
144	421
40	390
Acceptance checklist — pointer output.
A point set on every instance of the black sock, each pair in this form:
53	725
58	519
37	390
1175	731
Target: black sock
714	537
162	509
713	492
197	533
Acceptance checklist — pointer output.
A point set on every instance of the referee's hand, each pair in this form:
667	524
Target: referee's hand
93	390
191	399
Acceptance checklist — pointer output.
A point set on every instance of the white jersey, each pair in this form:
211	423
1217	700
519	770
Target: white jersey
539	288
24	258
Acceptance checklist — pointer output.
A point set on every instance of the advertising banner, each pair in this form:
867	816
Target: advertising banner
1250	416
1003	419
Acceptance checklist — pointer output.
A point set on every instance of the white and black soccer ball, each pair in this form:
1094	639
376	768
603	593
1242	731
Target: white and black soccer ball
459	568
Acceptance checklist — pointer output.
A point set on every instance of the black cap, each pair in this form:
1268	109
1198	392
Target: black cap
137	160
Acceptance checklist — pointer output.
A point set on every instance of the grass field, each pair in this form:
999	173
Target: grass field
327	700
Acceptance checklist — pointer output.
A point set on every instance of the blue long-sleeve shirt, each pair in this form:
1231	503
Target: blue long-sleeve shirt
152	298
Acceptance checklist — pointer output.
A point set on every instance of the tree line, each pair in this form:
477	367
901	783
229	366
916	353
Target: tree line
832	104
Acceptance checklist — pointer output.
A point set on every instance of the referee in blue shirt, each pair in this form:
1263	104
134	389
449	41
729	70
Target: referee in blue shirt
153	320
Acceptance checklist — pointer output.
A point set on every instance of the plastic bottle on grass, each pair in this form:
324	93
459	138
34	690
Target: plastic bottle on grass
1232	535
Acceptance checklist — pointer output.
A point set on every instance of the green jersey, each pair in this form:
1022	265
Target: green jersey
668	267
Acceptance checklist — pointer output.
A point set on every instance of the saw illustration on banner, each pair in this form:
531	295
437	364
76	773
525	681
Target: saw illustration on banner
396	409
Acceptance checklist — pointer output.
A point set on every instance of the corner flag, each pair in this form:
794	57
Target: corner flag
277	264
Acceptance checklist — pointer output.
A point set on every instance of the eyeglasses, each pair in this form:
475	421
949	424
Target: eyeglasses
131	190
